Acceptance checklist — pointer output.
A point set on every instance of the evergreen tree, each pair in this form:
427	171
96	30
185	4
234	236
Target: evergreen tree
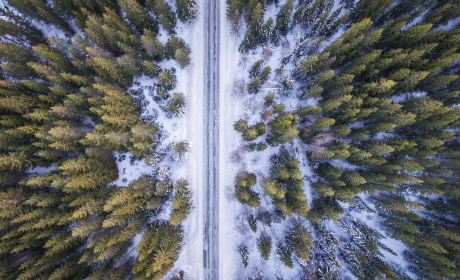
299	241
285	255
234	12
137	15
64	104
39	10
264	245
283	129
164	13
369	9
283	17
19	30
243	192
187	10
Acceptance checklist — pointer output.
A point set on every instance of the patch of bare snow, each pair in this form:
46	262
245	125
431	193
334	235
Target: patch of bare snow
450	24
190	82
229	111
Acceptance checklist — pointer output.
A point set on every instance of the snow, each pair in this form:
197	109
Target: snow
339	32
190	81
132	253
234	158
450	24
331	39
393	5
163	36
229	235
403	96
416	20
41	170
175	128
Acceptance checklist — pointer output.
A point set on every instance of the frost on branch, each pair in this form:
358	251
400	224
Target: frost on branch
163	173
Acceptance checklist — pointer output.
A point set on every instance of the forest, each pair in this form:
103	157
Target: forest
68	114
364	96
348	150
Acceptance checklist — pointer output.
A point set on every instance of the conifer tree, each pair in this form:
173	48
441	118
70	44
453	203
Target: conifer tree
137	15
234	12
187	10
39	10
243	192
164	13
243	250
369	9
283	17
159	248
264	245
299	241
283	128
19	30
64	105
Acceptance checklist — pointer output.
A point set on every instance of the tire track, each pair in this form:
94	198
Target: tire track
211	139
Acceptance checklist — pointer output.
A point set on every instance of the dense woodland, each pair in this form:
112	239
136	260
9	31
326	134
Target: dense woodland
378	118
66	107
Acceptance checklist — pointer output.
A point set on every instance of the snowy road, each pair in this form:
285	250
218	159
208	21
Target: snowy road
211	139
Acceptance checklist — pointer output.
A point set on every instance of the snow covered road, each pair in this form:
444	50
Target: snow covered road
211	139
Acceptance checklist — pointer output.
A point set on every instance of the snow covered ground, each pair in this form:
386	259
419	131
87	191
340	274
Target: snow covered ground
191	258
230	109
234	228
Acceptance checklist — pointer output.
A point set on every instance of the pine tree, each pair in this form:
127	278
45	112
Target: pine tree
234	12
256	32
19	30
187	10
264	245
182	56
323	123
284	254
137	15
298	239
39	10
348	47
151	45
164	13
167	79
283	18
273	188
254	86
243	192
283	128
369	9
181	204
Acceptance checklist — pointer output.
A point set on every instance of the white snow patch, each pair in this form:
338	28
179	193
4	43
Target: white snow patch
450	24
190	81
